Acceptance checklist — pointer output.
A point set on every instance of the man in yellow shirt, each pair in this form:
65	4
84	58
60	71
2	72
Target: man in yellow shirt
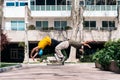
46	41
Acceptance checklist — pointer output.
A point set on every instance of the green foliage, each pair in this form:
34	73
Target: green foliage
111	51
31	27
87	58
21	44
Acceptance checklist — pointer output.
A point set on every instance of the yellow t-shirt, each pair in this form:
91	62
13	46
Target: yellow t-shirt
44	42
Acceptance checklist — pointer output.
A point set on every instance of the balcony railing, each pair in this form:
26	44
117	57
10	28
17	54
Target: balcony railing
50	7
101	7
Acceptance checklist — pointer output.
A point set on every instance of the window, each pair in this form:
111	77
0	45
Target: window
17	25
69	3
50	2
89	2
23	3
10	4
17	4
81	3
16	53
40	2
108	24
41	24
61	2
89	24
60	24
118	2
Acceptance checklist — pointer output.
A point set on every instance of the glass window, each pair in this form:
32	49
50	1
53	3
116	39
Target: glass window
10	4
17	25
60	24
81	3
50	2
57	24
118	2
38	23
41	24
40	2
89	2
104	23
63	24
61	2
23	3
86	23
100	2
68	2
111	23
45	23
14	25
21	25
17	4
92	24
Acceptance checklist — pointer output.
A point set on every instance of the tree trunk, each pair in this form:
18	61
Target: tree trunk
77	20
26	48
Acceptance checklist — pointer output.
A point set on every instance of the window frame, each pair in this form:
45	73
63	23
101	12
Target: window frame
60	26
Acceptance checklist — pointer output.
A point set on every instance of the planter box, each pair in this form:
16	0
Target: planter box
113	67
97	65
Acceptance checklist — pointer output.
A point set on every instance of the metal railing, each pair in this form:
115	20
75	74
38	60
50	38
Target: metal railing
50	7
101	7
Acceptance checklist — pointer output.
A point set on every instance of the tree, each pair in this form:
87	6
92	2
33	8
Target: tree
77	24
3	37
3	40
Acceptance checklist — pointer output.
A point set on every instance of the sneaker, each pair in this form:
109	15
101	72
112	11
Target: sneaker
62	60
57	58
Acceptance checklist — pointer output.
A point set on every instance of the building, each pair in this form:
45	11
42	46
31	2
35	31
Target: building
101	21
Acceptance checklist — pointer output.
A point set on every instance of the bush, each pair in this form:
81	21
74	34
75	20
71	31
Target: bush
31	27
111	51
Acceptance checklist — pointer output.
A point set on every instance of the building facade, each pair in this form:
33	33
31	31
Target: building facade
101	21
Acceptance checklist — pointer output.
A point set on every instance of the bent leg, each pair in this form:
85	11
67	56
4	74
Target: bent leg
61	46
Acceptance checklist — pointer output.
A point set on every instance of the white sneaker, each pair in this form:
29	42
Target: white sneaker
57	58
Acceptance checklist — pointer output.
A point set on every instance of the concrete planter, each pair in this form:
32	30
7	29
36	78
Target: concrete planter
97	65
113	67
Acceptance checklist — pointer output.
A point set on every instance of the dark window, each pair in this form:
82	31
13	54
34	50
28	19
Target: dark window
40	2
92	24
68	2
81	3
86	23
108	23
89	2
111	23
100	2
10	4
104	23
61	2
38	23
32	2
118	2
50	2
17	4
23	3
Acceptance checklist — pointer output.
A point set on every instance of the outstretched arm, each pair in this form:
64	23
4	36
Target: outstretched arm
33	50
34	55
87	45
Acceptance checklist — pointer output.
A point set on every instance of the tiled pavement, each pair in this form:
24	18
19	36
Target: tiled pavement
81	71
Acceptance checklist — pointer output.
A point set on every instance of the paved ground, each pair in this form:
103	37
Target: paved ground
82	71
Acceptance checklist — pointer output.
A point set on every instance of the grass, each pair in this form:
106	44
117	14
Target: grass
4	64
